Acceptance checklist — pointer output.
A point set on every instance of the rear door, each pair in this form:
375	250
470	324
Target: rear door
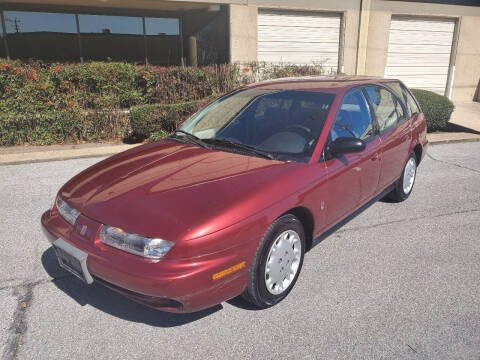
353	178
394	131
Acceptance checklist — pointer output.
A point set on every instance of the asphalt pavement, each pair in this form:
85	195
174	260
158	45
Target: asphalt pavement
398	281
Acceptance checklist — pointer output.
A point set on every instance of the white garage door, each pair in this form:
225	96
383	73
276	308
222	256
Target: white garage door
419	52
298	37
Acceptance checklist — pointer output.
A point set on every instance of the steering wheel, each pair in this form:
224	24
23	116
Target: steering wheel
303	131
300	127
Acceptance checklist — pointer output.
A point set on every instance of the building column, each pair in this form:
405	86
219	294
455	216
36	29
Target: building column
243	33
377	47
363	36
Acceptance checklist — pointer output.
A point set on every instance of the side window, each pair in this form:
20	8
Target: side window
353	117
385	107
411	103
400	112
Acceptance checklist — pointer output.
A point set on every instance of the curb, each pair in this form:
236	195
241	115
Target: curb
58	155
46	156
452	141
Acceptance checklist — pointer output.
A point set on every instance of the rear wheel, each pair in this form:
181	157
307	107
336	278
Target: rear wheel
404	185
277	262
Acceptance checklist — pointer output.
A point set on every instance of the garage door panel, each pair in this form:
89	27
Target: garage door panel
290	46
416	70
432	80
418	49
298	37
422	24
433	38
268	33
407	59
419	52
287	19
299	58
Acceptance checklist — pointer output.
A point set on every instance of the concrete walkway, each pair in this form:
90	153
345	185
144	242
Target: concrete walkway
467	115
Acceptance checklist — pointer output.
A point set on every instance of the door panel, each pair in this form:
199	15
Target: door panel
390	116
353	179
395	146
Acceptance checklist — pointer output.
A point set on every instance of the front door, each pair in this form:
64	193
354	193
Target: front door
353	178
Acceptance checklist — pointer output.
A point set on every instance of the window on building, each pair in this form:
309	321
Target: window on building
353	118
58	37
41	35
3	53
163	41
115	38
212	45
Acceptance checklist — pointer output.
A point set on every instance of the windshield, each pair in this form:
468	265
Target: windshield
284	123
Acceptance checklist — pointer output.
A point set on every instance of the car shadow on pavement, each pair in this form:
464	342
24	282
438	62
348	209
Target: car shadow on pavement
110	302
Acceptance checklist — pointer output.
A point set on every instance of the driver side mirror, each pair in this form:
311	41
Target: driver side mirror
346	145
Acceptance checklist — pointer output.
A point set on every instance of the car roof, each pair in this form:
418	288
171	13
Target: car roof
328	83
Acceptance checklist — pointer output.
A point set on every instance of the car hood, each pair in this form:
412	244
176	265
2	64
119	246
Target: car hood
174	191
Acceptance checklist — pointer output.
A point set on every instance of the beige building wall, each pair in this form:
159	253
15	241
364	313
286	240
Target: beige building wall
243	33
467	66
370	59
466	59
243	27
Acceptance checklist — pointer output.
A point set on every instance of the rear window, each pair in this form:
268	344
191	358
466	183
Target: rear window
402	92
385	106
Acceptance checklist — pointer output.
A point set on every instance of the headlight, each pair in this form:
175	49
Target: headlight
134	243
68	213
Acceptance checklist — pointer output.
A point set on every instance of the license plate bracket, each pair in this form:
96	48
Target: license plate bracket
73	260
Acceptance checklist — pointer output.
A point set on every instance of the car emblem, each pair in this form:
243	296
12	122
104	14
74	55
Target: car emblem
84	230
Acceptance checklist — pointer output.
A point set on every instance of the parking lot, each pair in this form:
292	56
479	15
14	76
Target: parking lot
398	281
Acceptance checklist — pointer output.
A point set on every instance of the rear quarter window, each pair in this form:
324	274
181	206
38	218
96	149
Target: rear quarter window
401	91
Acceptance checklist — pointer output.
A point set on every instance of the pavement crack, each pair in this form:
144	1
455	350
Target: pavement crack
452	164
34	283
415	351
406	219
18	327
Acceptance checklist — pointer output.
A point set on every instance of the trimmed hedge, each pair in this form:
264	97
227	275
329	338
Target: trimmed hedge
48	103
57	103
162	118
437	109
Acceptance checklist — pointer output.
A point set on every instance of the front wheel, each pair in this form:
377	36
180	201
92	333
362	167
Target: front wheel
277	262
404	185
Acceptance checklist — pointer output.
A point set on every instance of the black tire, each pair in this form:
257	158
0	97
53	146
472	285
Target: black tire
256	292
399	194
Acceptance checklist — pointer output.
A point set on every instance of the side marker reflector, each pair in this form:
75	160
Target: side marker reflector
228	271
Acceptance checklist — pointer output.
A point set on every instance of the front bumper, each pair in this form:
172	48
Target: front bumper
174	285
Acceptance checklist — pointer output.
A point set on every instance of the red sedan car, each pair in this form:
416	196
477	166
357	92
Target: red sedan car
230	202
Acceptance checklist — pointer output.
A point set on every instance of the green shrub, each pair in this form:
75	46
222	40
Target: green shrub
437	109
183	84
45	103
159	135
148	119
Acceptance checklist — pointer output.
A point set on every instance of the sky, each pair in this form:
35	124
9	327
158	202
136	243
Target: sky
24	21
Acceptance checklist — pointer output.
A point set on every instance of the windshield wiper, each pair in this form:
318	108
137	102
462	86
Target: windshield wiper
188	136
247	148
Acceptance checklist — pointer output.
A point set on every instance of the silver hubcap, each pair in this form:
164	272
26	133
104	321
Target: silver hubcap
409	175
282	262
